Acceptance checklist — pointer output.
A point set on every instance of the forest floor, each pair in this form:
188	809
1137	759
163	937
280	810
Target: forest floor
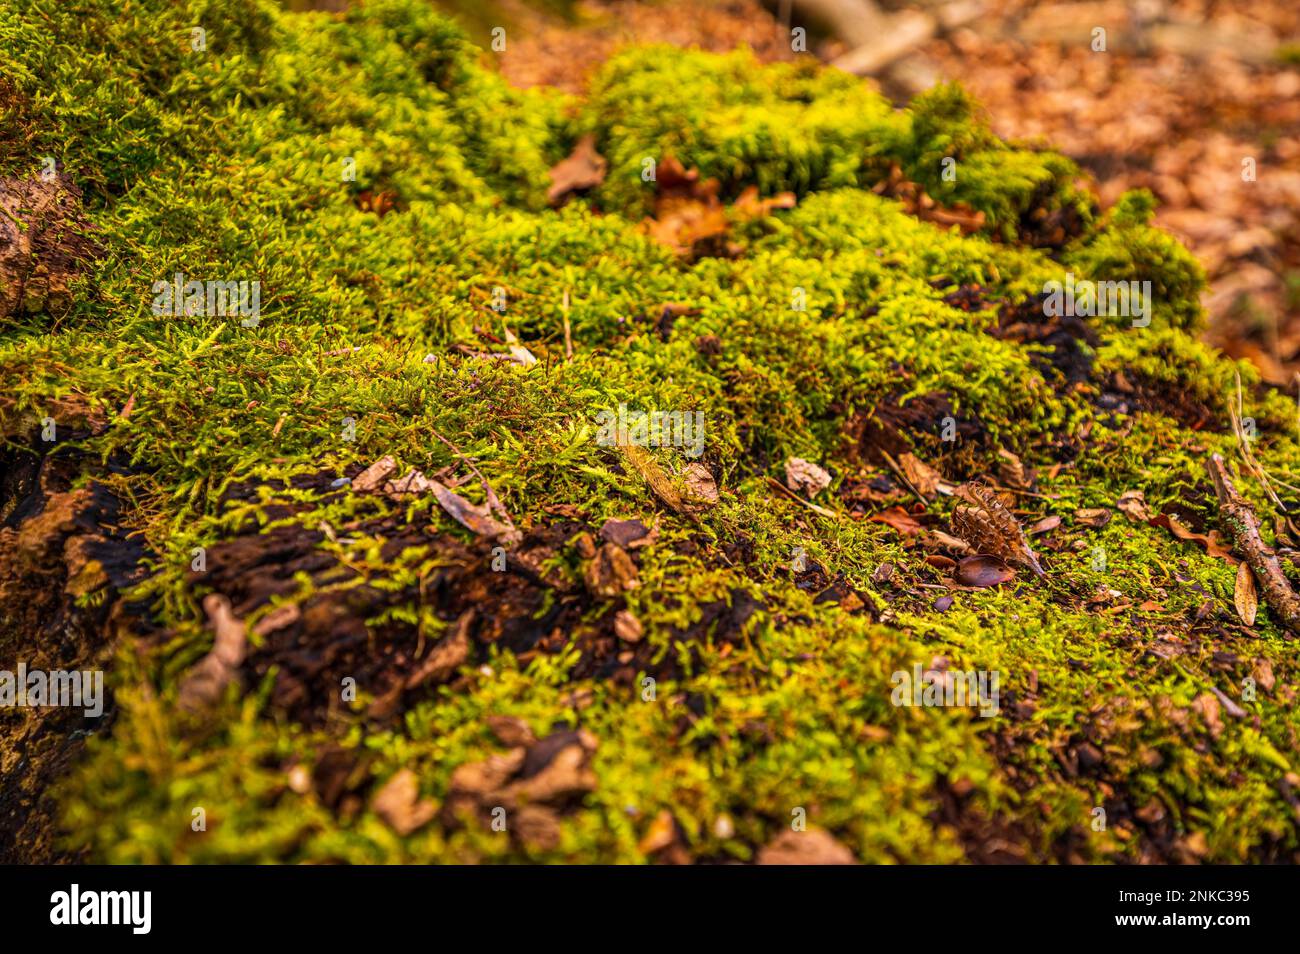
689	464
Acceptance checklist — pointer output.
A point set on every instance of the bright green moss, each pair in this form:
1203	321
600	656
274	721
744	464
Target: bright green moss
954	154
1130	249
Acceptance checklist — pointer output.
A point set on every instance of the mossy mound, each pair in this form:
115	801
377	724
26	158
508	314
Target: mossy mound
682	695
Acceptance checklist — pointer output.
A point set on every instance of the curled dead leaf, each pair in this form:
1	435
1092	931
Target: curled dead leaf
983	571
1043	526
207	681
805	477
923	478
611	572
700	485
399	804
897	518
582	170
1133	504
1095	517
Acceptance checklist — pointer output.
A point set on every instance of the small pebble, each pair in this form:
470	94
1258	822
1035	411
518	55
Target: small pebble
341	482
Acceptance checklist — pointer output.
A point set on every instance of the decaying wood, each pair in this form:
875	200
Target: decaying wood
1239	521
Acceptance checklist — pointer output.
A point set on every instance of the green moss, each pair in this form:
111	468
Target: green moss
1130	249
228	165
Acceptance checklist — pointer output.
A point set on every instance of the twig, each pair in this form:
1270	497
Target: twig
568	332
1253	466
1239	520
820	511
493	502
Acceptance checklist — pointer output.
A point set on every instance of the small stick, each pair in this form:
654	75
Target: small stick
568	332
1240	522
493	502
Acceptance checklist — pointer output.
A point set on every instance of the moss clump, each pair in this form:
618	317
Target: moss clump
769	633
1130	249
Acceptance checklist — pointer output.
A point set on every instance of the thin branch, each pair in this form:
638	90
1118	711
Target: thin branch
1239	520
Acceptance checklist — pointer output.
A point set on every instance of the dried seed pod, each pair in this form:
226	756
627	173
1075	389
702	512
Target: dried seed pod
985	523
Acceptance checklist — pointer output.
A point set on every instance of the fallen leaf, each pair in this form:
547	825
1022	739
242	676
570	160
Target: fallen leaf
511	730
924	478
204	684
1044	525
700	485
477	519
983	571
1212	543
1095	517
1244	597
1133	505
805	477
899	519
811	847
399	804
1207	705
1012	472
374	475
629	534
414	483
582	170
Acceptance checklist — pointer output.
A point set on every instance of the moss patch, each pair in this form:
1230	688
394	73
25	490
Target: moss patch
387	190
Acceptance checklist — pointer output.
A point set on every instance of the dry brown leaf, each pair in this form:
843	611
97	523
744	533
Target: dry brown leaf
805	477
811	847
629	534
204	684
475	518
1212	544
899	519
1043	526
1244	597
374	475
1012	472
399	804
924	478
653	475
1095	517
700	485
583	169
983	571
1133	504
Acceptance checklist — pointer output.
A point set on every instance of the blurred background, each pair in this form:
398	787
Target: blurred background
1183	93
